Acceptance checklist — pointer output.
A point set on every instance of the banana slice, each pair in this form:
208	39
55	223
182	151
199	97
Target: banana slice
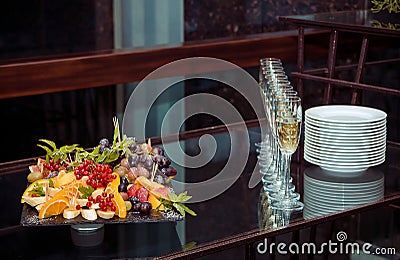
34	201
105	214
81	202
89	214
71	213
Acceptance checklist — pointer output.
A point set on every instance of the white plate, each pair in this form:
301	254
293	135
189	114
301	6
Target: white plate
335	131
344	158
344	125
351	154
340	151
323	138
345	149
346	144
346	163
335	150
341	136
345	114
345	128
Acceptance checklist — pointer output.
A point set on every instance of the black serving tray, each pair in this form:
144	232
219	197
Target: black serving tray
29	217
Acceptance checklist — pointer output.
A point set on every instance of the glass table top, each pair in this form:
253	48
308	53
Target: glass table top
361	21
236	212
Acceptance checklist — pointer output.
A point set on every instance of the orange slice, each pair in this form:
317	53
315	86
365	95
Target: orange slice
113	185
155	202
52	207
30	187
64	179
120	205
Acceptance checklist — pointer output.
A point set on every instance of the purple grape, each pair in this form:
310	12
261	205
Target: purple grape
158	150
133	160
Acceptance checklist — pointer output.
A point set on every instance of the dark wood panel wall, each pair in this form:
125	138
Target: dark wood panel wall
101	69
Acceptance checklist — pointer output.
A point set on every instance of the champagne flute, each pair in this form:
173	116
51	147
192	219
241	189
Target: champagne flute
288	122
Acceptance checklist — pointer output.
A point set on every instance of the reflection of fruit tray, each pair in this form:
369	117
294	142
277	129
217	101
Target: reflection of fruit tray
29	217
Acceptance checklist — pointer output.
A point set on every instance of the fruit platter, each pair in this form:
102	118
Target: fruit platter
114	182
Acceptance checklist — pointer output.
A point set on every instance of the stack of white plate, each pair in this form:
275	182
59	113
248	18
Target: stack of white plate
345	138
325	192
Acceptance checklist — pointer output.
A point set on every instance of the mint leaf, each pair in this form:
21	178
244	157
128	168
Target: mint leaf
49	143
173	197
37	190
183	197
191	212
179	208
86	191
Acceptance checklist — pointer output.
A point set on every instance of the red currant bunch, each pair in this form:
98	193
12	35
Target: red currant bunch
104	200
83	169
56	165
99	174
52	165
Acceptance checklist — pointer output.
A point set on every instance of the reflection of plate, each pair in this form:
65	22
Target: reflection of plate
337	206
330	200
322	194
345	114
29	217
342	182
335	201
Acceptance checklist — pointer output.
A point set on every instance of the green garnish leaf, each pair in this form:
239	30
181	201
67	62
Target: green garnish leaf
175	202
185	208
49	143
183	197
37	190
51	183
86	191
179	208
173	197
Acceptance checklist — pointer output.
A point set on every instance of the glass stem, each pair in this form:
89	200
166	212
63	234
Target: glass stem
287	162
278	162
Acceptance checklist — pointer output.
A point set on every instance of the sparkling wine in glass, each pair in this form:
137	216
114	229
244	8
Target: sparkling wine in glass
288	129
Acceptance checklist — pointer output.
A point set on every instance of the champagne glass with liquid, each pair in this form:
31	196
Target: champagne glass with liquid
288	128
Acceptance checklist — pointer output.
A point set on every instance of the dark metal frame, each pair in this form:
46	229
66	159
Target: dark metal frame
329	79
